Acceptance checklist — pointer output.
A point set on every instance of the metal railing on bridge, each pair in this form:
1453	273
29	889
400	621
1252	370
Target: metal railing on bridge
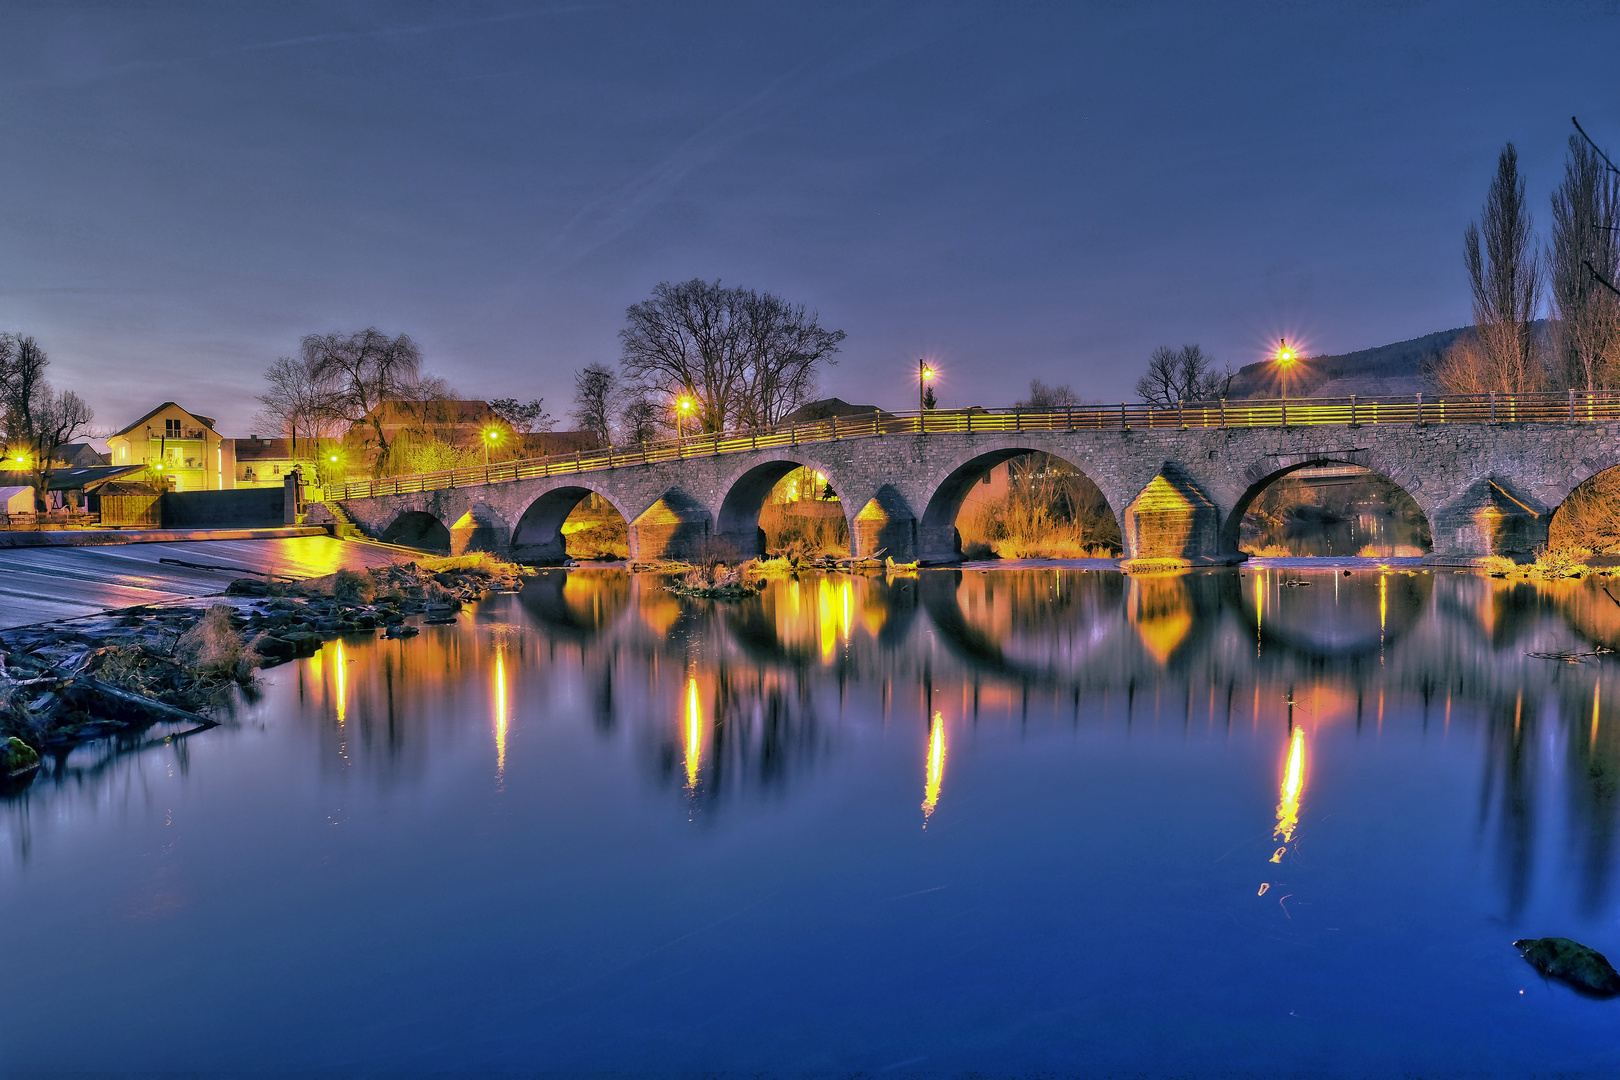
1568	407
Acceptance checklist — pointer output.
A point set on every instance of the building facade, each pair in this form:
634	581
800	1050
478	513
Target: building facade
180	448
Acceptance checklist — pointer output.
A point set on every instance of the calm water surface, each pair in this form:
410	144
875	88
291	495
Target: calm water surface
1024	821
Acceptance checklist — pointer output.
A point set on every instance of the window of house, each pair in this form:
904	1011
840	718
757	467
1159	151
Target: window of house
171	429
275	470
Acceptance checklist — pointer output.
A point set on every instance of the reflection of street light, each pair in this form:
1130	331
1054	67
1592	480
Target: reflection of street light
489	436
682	407
924	373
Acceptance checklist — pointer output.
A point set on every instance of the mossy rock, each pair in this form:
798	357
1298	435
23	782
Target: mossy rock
1586	969
18	757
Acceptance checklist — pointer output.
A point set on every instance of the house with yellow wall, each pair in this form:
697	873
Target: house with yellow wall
181	448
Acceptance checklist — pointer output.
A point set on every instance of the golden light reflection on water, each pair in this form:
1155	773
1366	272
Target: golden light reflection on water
342	690
694	734
936	767
500	712
1293	786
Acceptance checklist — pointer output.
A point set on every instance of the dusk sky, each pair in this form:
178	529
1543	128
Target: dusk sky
1013	190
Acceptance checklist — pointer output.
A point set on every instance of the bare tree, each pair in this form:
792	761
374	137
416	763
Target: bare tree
744	357
365	369
1585	242
786	348
1042	396
1506	280
638	418
525	418
595	389
38	419
298	400
1186	374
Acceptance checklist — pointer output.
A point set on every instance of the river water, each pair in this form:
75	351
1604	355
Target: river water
1052	820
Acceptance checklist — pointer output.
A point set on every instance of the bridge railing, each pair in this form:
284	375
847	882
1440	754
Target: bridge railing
1566	407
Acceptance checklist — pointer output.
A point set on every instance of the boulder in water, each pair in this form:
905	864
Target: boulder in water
1586	969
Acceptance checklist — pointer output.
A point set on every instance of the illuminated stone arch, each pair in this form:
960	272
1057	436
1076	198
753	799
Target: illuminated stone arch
537	537
418	529
937	539
1263	474
747	488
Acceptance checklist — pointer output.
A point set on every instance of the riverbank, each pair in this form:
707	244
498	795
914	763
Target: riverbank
184	661
41	584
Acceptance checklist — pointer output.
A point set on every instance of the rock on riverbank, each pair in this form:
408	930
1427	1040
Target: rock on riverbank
72	680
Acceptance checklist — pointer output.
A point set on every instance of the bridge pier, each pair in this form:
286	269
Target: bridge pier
886	524
671	528
481	529
1173	519
1489	518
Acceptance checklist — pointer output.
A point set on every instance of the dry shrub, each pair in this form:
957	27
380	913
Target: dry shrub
1267	551
1590	517
1562	562
213	648
599	538
353	587
1050	511
804	535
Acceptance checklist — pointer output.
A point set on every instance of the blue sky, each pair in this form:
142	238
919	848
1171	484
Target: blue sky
1013	190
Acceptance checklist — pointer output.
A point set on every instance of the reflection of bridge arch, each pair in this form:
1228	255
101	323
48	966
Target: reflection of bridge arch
537	536
937	538
1381	610
746	490
1263	475
578	606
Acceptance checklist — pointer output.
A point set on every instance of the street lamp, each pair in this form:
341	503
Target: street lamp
924	373
682	407
1285	359
490	436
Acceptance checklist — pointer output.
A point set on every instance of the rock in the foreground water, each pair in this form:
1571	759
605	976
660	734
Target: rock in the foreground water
1587	970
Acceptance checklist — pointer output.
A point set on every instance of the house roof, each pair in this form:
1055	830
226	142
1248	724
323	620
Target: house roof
267	450
205	421
74	479
826	409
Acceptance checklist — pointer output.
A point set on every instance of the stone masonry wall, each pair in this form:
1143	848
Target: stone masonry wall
1484	488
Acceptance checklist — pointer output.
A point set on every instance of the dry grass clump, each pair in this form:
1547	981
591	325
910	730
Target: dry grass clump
214	649
718	580
1050	511
1269	551
1563	562
804	535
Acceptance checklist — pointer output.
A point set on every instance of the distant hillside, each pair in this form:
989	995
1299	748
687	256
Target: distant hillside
1388	369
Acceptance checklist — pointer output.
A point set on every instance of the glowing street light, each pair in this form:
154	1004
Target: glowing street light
1285	360
493	435
924	373
683	408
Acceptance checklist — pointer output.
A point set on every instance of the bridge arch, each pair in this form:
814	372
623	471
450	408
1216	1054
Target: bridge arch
418	529
937	538
1263	475
745	491
1584	516
537	536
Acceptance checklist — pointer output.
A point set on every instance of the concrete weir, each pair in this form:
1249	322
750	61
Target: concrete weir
1179	493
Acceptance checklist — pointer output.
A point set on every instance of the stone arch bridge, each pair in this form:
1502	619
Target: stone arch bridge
1179	479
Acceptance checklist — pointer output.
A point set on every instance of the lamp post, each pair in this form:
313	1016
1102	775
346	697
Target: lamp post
1285	361
683	406
924	373
490	436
